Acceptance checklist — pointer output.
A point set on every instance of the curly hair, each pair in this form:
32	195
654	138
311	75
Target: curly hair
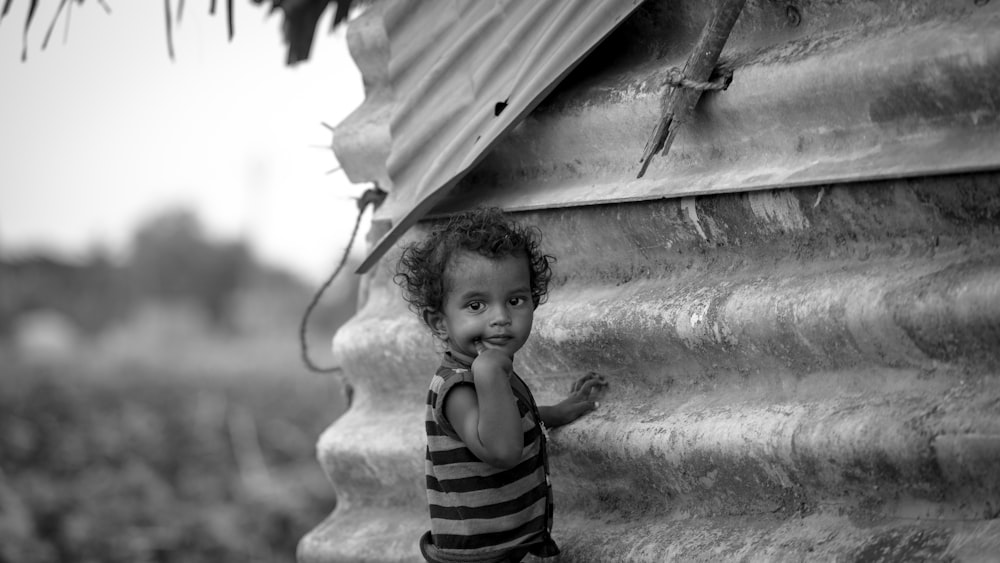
487	231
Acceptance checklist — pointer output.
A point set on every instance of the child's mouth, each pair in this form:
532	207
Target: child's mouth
499	340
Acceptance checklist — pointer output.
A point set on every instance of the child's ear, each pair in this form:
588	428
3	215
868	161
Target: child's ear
435	320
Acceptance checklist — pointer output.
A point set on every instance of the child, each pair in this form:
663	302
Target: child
476	282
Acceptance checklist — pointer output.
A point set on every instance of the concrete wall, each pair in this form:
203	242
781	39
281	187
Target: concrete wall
798	310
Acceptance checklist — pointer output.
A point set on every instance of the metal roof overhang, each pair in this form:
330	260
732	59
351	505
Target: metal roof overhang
903	93
452	78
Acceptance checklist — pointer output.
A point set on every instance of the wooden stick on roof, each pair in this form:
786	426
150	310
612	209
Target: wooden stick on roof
678	102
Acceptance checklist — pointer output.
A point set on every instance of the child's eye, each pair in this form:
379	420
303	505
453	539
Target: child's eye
475	306
516	301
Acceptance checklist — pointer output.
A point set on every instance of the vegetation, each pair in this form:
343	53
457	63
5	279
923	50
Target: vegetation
172	259
153	433
143	465
300	20
169	419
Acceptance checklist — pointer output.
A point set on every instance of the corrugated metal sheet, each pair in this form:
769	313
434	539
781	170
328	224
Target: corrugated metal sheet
797	374
806	374
910	92
867	103
461	74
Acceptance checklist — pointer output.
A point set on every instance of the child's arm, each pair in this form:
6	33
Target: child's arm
487	419
578	403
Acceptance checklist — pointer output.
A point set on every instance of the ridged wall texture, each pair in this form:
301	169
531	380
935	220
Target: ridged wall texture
801	369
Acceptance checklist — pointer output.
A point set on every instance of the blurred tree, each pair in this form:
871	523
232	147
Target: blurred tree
92	293
172	259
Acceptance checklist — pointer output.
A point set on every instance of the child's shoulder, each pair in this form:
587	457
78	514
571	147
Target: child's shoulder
442	384
447	377
451	367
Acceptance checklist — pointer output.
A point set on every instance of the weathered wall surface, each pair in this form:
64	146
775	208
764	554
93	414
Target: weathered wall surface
794	373
801	373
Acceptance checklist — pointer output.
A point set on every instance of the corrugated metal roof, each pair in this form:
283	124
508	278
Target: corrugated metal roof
459	75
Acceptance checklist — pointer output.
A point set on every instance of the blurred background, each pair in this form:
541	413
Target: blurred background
163	224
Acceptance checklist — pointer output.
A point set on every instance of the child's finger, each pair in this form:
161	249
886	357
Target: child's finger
590	385
600	379
578	384
587	406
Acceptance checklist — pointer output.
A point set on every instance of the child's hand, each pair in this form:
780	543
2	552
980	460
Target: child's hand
582	399
491	363
487	418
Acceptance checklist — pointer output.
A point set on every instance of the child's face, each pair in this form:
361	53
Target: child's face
488	301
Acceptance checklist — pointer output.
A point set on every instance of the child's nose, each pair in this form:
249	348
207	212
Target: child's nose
501	317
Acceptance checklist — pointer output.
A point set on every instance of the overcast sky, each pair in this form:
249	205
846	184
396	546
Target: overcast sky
102	130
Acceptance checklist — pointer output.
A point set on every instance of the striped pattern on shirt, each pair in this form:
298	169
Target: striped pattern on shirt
477	509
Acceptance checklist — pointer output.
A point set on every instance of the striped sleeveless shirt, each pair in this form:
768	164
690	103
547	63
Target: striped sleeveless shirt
480	512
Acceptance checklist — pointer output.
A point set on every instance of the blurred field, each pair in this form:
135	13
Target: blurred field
162	438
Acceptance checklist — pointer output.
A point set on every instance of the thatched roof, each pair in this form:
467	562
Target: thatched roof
301	18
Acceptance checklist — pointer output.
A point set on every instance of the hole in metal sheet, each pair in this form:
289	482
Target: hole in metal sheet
498	109
793	15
